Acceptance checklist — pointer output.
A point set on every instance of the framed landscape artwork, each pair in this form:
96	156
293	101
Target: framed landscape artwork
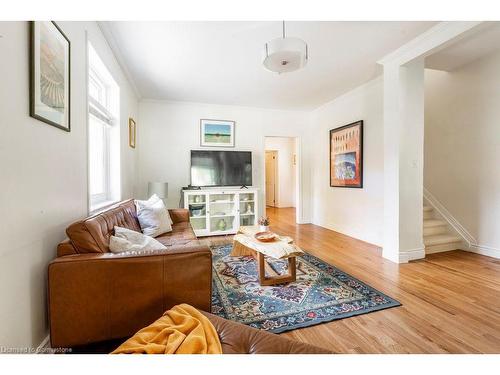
346	156
49	74
217	133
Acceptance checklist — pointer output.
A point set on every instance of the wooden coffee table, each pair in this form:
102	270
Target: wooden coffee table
245	244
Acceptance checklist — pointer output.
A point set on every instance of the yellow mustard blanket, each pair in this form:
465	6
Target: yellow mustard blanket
181	330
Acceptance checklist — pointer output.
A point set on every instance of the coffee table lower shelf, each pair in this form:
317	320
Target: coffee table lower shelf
264	268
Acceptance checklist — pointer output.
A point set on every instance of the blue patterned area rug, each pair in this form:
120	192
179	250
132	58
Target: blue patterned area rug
320	294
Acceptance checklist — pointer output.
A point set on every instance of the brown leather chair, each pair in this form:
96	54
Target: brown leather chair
95	295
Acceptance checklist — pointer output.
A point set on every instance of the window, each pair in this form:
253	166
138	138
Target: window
97	89
103	134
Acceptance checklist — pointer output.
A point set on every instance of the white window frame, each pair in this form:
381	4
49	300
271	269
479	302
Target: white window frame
98	199
97	82
100	110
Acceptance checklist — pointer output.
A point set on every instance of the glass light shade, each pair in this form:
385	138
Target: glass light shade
158	188
282	55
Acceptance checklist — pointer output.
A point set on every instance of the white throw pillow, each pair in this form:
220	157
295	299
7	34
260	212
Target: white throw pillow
130	240
152	199
153	217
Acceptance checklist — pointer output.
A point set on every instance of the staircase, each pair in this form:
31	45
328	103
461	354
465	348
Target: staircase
438	236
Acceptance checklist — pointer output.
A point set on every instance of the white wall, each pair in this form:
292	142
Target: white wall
286	169
167	131
355	212
43	176
462	146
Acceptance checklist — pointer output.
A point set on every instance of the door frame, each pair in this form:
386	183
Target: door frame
299	188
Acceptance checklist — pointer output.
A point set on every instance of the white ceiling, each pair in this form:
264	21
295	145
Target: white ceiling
220	62
464	51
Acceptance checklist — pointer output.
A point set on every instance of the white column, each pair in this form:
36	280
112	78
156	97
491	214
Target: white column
403	161
404	137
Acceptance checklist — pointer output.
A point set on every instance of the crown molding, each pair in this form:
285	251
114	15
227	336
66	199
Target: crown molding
113	45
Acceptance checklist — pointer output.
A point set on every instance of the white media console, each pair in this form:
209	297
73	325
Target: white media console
220	211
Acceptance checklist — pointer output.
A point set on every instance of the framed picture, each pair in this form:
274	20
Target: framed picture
217	133
49	74
346	156
131	132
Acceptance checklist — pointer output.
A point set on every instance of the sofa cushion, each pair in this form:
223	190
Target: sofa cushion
181	233
91	235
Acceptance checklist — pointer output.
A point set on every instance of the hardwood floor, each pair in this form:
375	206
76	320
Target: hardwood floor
451	300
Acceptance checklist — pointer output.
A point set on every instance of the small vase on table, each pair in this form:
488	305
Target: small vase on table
264	224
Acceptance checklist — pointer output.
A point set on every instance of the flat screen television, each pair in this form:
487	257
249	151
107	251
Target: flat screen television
221	168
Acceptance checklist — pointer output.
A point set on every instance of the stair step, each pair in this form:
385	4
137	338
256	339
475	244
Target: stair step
430	223
441	239
432	231
427	208
428	215
443	247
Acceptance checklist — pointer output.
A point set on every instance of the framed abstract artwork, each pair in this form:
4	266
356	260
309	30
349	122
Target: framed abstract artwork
346	156
132	131
217	133
49	74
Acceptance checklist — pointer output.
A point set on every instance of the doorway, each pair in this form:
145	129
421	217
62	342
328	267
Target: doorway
272	177
281	173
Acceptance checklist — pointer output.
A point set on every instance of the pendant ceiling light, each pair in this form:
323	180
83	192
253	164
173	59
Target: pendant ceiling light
285	54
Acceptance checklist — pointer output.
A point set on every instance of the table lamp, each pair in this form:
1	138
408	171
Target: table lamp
158	188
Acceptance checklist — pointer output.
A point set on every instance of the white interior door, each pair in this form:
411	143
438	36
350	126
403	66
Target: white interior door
271	178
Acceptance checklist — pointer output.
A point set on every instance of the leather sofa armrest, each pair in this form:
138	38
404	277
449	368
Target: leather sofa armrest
179	215
65	248
100	297
237	338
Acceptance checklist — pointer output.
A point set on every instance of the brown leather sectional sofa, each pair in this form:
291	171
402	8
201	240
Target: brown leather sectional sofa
96	296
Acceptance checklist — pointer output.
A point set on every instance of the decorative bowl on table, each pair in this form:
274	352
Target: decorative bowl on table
266	236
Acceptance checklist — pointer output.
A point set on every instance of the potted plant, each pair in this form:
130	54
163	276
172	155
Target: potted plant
264	224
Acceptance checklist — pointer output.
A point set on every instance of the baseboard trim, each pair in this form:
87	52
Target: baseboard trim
484	250
413	254
450	219
335	229
43	345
